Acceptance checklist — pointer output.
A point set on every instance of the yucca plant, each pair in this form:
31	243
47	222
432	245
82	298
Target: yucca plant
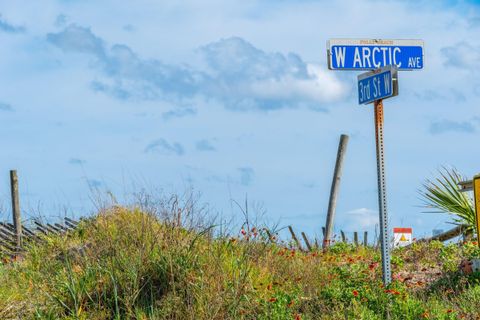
443	195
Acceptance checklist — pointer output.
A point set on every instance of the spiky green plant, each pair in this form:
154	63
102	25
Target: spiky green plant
443	195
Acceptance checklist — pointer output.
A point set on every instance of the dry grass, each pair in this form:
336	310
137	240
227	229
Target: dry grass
130	264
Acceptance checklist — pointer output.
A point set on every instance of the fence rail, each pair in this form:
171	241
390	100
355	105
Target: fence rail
13	236
8	235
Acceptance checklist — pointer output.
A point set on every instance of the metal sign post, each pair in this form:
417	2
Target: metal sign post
375	86
386	57
382	193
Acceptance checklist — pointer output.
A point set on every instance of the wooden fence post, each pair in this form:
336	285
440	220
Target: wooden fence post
344	239
269	235
17	222
342	148
355	238
365	239
306	241
294	236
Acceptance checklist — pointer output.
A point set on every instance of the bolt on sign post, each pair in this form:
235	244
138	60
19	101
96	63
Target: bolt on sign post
384	57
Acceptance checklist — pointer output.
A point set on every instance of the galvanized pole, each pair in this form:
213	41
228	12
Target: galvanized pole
17	222
382	193
342	148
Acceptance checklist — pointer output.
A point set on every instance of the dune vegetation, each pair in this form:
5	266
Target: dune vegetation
127	263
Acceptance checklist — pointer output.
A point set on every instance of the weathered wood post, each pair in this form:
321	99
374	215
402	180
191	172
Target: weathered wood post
294	237
269	235
342	148
355	238
309	247
344	238
17	222
365	239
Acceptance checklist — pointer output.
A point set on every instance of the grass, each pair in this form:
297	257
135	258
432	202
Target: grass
129	264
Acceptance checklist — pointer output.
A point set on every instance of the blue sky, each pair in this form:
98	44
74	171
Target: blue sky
232	99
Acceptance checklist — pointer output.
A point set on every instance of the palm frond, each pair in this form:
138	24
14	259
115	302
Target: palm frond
443	195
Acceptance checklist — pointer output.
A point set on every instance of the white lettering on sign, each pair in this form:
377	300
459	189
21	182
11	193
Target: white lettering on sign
367	57
414	62
386	81
364	91
340	54
375	87
375	63
384	50
356	59
399	64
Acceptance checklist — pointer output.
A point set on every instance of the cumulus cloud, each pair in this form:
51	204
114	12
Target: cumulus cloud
361	219
164	147
6	107
443	126
237	74
204	145
462	55
78	39
10	28
61	20
245	77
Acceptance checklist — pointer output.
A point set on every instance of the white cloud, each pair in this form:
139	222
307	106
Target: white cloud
361	219
239	75
462	55
319	87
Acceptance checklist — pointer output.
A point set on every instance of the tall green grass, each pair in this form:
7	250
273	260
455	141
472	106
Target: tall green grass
129	263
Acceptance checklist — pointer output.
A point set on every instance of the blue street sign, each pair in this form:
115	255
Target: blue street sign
369	54
378	84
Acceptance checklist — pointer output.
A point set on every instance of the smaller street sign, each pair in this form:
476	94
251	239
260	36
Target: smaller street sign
378	84
402	237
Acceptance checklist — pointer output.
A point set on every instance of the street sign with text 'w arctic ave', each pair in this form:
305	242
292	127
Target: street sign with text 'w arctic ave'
369	54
